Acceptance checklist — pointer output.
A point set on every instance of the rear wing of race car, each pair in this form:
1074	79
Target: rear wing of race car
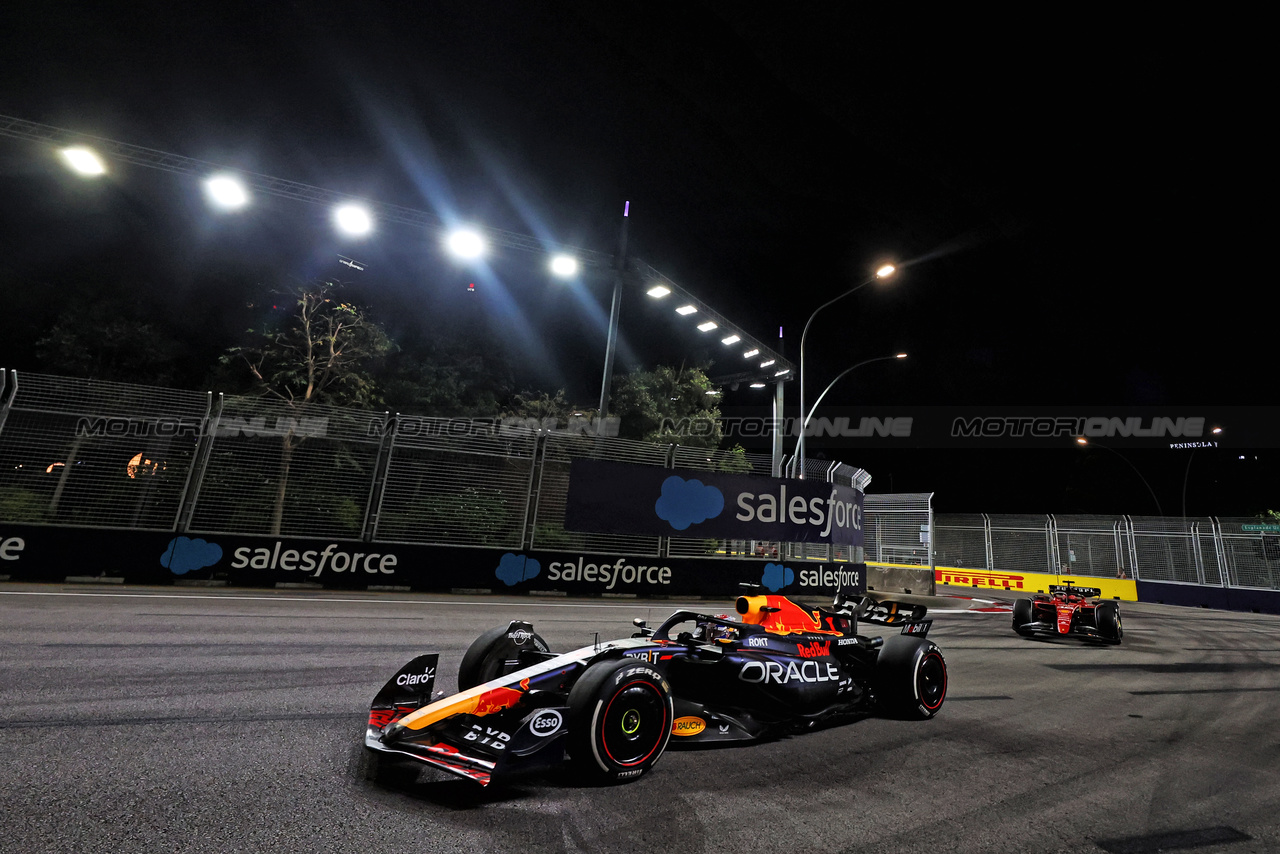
889	613
1069	588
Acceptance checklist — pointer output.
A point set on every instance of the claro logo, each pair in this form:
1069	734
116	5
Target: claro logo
313	561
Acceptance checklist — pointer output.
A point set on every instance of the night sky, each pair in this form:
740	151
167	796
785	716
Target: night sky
1064	195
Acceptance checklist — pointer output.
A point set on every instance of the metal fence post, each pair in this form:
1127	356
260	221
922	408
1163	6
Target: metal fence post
373	504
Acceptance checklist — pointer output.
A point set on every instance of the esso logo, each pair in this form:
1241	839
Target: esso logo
546	723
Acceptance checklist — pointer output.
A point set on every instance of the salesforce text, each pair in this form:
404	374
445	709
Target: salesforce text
291	559
798	511
608	574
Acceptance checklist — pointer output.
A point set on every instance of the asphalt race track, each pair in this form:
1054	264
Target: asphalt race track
176	720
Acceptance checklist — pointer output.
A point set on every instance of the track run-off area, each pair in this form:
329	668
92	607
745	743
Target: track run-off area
189	720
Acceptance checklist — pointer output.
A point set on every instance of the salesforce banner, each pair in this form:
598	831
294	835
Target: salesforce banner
624	498
58	555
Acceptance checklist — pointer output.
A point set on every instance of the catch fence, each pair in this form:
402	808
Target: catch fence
1218	552
83	453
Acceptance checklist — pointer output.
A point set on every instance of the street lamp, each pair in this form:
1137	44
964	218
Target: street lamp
1217	431
883	273
850	370
1086	443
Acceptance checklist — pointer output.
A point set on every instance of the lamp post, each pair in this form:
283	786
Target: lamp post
1186	475
839	376
1086	443
883	273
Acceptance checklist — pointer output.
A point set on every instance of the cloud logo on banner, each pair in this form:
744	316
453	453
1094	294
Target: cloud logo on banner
185	555
776	576
687	502
512	569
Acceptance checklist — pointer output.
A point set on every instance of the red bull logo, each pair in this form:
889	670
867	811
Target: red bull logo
779	615
814	650
1002	580
495	700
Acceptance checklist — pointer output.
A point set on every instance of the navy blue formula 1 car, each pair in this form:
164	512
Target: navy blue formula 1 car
1069	611
613	707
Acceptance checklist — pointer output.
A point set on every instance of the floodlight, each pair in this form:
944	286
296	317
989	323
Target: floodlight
757	385
564	266
707	327
755	351
353	219
783	372
886	271
226	192
686	309
658	291
732	339
767	363
84	161
465	243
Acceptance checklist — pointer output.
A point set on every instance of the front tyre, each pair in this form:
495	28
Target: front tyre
912	676
620	717
1107	617
1022	614
497	653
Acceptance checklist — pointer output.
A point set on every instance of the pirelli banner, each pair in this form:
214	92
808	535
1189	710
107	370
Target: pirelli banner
625	498
1024	584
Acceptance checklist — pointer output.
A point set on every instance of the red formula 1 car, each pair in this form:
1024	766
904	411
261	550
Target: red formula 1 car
1068	611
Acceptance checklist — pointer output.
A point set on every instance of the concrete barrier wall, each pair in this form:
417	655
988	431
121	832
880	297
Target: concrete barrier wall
899	578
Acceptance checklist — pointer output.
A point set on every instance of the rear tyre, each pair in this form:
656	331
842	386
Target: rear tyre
1022	614
912	677
620	717
1107	616
496	653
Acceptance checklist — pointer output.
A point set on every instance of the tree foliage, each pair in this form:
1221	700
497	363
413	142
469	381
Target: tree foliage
650	404
322	351
108	338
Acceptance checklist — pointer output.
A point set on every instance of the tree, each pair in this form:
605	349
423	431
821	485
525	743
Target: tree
322	351
668	405
108	338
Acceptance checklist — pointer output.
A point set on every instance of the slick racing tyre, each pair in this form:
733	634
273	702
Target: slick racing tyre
497	652
1107	615
1021	616
912	677
620	716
